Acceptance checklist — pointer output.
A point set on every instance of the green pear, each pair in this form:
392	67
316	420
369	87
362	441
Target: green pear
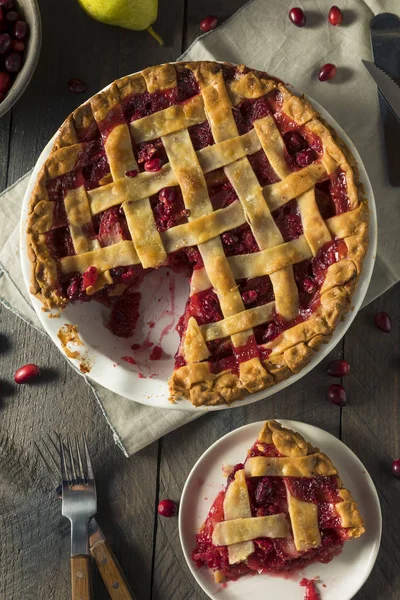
130	14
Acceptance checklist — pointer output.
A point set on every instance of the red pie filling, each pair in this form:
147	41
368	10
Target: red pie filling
268	496
92	170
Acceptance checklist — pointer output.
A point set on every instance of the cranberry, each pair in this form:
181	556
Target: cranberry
20	30
153	165
73	288
208	23
337	394
26	372
5	82
13	62
76	86
167	508
89	277
167	195
156	353
5	43
131	173
308	285
327	72
297	16
18	46
7	3
12	16
305	157
249	296
382	320
396	468
338	368
263	490
294	141
335	16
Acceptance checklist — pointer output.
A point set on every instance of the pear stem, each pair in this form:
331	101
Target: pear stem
155	35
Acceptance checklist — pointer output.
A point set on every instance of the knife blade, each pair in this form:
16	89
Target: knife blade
385	42
388	87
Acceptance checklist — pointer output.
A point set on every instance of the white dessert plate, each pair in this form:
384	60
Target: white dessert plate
164	294
341	578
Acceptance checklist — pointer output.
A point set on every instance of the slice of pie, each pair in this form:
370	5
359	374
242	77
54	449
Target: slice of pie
221	173
282	509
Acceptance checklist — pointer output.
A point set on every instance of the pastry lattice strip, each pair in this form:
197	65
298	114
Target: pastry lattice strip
254	204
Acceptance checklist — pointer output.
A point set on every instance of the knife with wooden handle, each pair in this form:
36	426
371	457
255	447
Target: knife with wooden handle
385	41
109	568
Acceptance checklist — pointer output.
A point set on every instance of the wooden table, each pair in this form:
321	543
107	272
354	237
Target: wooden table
34	543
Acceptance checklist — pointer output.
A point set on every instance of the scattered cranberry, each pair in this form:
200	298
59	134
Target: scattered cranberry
13	62
335	16
5	43
382	320
153	165
337	394
338	368
132	173
7	3
396	468
208	23
167	508
305	157
20	30
26	372
5	82
297	16
327	72
76	86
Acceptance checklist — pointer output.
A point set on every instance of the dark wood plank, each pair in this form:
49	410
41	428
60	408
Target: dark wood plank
34	532
371	425
5	124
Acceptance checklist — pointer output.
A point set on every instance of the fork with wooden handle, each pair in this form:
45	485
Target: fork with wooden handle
79	504
107	564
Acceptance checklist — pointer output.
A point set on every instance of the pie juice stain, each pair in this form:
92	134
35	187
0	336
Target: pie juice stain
311	592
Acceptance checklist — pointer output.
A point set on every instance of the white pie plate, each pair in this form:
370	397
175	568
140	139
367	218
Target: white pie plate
164	295
343	576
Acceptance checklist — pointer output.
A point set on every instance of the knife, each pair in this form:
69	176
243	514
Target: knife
387	86
385	41
109	568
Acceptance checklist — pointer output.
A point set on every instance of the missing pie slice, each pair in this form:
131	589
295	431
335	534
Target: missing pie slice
282	509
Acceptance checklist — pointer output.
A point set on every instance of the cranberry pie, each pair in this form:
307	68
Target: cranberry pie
223	174
283	509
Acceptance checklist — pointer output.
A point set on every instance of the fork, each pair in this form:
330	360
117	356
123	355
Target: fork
79	504
107	563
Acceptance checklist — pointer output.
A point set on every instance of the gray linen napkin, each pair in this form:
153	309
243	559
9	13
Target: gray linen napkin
261	36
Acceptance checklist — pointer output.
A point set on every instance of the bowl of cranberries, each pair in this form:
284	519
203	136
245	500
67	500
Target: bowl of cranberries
20	40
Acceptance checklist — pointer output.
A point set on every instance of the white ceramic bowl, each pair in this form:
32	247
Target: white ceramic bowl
31	13
165	295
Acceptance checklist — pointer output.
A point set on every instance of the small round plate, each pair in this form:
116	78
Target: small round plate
107	359
343	576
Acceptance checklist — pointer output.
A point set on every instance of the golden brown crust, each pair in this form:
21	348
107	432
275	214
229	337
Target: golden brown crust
291	444
295	347
300	523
